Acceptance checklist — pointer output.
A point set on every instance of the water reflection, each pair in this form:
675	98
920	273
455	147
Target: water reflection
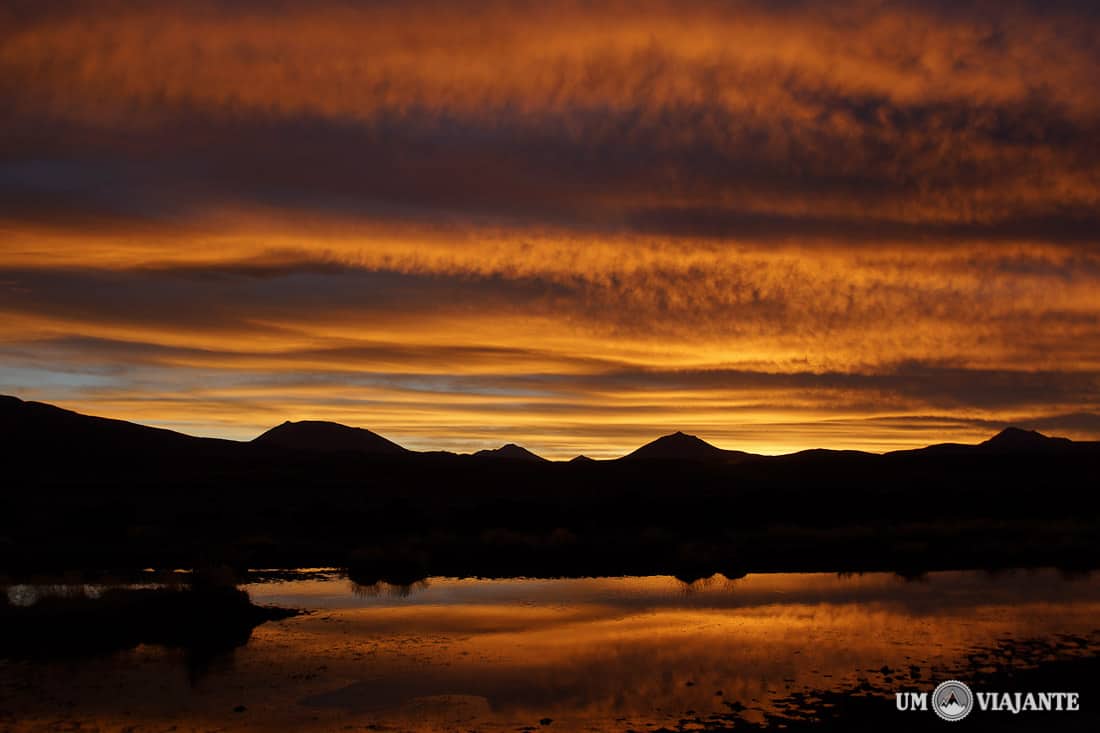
381	588
603	653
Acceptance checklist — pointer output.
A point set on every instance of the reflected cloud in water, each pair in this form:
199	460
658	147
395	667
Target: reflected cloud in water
609	653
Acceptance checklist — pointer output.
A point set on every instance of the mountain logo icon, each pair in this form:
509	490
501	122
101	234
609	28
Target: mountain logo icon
952	700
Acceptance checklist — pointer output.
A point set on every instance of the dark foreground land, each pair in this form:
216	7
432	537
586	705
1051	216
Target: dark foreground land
1059	664
82	492
203	622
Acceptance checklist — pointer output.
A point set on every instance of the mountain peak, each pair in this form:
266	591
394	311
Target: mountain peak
1014	439
678	446
10	401
321	436
510	451
1016	434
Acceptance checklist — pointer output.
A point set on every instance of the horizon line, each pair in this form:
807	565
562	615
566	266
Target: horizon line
506	442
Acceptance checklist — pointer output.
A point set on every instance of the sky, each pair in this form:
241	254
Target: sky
576	226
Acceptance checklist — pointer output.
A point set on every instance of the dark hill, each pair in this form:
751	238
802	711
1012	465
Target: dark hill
317	436
1009	442
1025	441
682	447
34	429
826	454
87	492
511	451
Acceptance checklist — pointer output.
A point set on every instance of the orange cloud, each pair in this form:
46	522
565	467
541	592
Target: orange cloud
575	224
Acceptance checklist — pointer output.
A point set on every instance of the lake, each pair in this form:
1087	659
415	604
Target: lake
636	653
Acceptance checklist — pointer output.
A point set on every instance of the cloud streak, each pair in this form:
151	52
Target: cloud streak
556	219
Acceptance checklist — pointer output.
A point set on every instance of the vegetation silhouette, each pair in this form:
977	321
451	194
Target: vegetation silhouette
206	621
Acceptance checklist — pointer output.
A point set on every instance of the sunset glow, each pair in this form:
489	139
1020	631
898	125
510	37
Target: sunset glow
574	226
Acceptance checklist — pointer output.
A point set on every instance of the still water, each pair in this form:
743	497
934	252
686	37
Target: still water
568	654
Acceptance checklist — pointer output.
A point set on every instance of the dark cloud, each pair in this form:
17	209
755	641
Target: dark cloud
670	171
797	216
653	139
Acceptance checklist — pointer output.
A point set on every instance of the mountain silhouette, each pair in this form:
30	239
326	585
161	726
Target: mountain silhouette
1008	442
683	447
1013	439
318	436
81	491
39	427
510	451
44	427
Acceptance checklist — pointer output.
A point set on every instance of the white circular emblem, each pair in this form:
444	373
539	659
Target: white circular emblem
952	700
